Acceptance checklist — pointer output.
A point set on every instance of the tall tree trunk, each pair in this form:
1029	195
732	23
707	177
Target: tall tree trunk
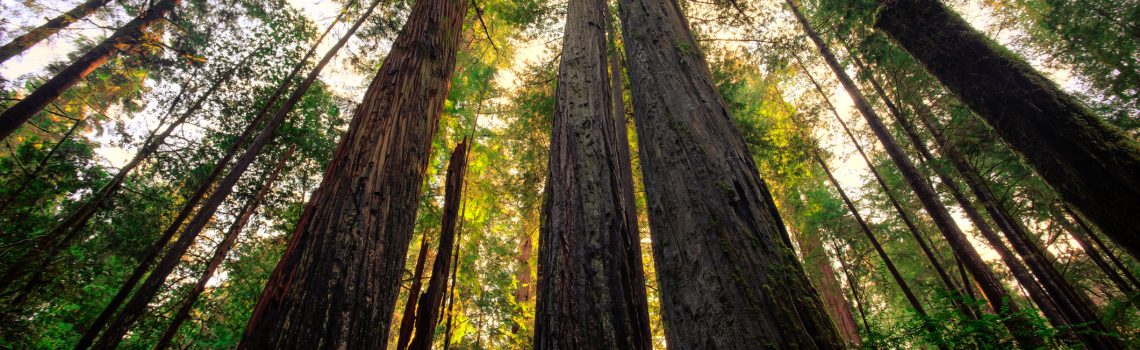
1019	326
71	228
1091	164
126	37
525	290
54	25
902	213
1098	259
223	248
591	290
431	301
728	278
336	285
408	319
135	307
1088	231
855	290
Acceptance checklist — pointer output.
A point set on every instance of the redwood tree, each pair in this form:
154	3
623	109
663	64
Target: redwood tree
727	278
54	25
591	287
337	283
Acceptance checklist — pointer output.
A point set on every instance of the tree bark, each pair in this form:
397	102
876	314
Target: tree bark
854	286
136	306
728	278
1088	231
1098	259
54	25
336	285
221	251
591	289
408	320
1091	164
1020	327
126	37
431	301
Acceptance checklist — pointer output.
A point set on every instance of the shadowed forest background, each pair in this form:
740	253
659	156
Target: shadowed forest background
576	174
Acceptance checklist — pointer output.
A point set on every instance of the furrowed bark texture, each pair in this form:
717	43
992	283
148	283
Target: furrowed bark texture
591	288
136	306
992	288
431	301
130	35
337	283
831	291
1090	163
408	319
728	278
221	251
54	25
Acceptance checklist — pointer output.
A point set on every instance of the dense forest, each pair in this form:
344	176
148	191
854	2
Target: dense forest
569	174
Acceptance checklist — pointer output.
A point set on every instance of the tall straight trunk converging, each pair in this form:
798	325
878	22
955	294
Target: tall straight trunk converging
220	252
999	299
408	318
431	302
136	306
204	186
1091	164
1090	234
591	288
130	35
727	278
31	38
337	283
1097	258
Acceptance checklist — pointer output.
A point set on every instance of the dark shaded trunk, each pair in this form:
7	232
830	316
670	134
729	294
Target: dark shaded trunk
204	187
431	302
1091	164
728	279
136	306
71	228
591	288
1018	325
1096	257
408	319
337	283
126	37
221	251
54	25
902	213
1088	231
454	275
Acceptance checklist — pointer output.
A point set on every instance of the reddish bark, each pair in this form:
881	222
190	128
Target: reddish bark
408	319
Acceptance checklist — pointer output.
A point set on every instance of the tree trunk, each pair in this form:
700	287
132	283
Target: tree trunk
1098	259
728	279
1088	231
28	178
1019	326
336	285
1091	164
136	306
130	35
591	290
854	286
408	320
431	301
221	251
31	38
902	213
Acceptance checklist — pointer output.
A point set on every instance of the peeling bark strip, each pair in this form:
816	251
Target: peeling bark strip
337	283
999	299
431	301
591	287
128	36
1091	164
137	305
728	279
222	250
31	38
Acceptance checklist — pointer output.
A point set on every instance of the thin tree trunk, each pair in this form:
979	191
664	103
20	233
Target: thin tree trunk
854	286
136	306
407	321
1103	247
221	251
130	35
591	290
54	25
35	173
1019	326
70	229
728	277
337	283
1091	164
1098	259
902	213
